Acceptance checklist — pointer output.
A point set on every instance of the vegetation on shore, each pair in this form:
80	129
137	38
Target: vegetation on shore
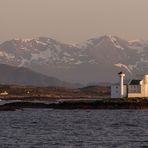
53	92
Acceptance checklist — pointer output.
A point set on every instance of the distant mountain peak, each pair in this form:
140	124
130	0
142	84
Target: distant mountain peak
84	61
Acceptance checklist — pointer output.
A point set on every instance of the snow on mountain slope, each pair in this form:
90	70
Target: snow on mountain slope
87	61
138	45
40	50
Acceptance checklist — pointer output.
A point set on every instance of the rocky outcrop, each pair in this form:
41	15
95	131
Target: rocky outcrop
79	104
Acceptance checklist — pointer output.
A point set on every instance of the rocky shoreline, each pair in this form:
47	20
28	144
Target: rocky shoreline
78	104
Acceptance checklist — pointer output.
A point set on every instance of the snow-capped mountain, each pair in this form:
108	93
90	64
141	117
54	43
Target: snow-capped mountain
111	50
40	51
92	60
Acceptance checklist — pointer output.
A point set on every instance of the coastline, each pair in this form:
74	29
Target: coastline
19	103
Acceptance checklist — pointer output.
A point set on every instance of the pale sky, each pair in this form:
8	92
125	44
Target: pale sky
73	21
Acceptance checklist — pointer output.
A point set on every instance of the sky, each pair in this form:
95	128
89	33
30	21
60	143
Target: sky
73	21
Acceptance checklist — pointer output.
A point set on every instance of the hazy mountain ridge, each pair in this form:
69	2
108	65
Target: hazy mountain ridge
90	61
10	75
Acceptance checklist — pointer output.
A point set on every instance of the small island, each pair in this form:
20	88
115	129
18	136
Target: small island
91	97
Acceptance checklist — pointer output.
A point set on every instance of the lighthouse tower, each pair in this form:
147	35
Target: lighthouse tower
119	90
121	75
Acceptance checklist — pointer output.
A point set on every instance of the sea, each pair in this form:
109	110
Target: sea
50	128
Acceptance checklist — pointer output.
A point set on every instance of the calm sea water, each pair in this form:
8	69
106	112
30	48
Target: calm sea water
44	128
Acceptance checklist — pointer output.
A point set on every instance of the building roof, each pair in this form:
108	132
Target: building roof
134	82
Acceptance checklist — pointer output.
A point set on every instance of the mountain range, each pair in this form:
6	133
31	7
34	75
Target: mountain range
95	60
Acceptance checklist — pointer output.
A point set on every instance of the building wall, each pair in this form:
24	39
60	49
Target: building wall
135	95
133	92
134	89
145	84
145	90
115	91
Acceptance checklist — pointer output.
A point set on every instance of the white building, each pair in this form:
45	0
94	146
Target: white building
5	93
134	89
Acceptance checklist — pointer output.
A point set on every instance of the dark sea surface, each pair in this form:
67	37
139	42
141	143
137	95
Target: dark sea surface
45	128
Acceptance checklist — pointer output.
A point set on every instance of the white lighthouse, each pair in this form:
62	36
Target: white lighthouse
135	88
119	90
121	75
